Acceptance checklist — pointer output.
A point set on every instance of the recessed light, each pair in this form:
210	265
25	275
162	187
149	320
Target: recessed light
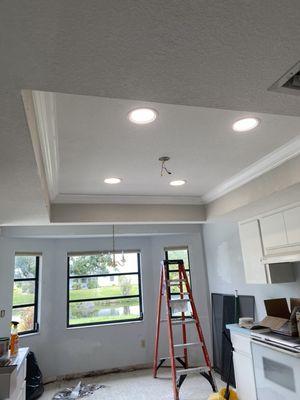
112	181
178	183
245	124
142	115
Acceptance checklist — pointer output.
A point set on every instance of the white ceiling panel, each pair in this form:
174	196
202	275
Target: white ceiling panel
95	140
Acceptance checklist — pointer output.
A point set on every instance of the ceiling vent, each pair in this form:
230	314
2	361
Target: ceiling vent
289	83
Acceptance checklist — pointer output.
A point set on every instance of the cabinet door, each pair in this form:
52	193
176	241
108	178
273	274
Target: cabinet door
273	231
292	222
244	376
252	252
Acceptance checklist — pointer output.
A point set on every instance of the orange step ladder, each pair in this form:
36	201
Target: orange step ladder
182	303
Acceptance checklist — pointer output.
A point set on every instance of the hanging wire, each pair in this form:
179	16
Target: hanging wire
163	169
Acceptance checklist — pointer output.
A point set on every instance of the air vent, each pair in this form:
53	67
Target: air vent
289	83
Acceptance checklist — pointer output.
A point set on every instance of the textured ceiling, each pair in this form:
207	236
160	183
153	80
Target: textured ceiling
205	53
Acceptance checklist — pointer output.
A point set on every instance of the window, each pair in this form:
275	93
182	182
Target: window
178	253
100	292
25	295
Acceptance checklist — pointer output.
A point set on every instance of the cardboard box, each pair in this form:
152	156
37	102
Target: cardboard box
279	317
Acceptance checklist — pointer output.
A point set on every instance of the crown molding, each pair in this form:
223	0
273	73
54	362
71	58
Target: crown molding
272	160
73	198
45	112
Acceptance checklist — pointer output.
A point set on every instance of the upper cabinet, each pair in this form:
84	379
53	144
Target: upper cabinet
292	223
281	232
270	243
252	252
273	230
256	270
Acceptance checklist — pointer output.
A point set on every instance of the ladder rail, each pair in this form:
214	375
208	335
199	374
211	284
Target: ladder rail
170	333
198	326
158	317
184	335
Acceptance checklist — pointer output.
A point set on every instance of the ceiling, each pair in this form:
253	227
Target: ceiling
95	140
209	54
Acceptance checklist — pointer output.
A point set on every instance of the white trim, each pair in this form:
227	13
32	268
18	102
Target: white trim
272	160
33	129
45	111
73	198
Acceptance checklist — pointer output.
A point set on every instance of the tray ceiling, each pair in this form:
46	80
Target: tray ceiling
86	139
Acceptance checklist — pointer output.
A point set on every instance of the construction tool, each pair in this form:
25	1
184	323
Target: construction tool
183	302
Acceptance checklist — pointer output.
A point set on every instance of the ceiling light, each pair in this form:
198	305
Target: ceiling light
112	181
142	115
178	183
245	124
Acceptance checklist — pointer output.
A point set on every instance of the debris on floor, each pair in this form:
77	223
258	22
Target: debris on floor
77	392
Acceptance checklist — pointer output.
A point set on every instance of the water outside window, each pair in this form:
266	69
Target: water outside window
103	292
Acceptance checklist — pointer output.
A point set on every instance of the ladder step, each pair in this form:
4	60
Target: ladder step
169	358
186	321
175	282
180	321
183	345
190	371
179	300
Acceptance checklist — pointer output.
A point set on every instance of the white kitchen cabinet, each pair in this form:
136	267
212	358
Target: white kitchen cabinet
252	252
292	223
243	366
14	387
273	231
244	376
256	269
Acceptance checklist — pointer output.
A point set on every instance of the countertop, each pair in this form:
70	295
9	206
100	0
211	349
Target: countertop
237	329
19	358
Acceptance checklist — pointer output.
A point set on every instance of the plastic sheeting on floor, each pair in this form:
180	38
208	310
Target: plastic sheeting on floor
79	391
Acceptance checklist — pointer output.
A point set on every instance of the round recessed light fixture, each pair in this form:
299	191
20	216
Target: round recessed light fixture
142	115
112	181
245	124
180	182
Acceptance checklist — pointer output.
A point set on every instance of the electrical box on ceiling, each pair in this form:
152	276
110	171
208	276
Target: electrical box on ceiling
289	83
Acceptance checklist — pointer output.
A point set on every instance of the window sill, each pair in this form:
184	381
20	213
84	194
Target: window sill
105	325
25	335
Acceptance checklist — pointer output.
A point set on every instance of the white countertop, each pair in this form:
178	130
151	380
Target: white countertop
20	357
237	329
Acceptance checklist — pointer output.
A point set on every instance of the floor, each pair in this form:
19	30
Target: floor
139	385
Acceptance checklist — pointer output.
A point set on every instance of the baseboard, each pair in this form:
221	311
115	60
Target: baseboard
95	373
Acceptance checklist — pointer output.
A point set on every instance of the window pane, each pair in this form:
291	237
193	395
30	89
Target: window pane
25	317
90	312
179	255
25	267
108	286
103	264
23	292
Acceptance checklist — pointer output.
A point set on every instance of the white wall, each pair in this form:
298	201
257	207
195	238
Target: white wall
226	271
63	351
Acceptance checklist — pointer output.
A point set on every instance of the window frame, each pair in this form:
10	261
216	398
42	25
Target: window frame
35	305
188	270
167	249
112	322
